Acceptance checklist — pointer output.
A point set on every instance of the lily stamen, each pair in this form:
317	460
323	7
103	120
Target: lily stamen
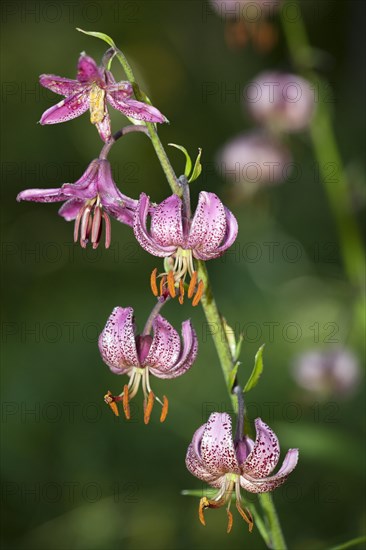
198	295
153	284
148	407
164	411
125	403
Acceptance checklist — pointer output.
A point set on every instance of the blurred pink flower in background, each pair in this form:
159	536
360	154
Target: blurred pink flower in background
335	372
281	101
254	159
251	9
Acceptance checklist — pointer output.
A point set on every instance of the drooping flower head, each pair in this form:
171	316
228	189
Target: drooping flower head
252	160
229	465
89	201
326	373
281	101
93	89
180	238
140	356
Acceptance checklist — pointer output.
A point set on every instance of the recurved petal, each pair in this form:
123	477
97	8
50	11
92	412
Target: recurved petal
196	467
117	344
147	242
166	222
186	357
86	187
110	195
217	447
265	454
104	127
121	90
42	195
208	225
135	109
60	85
88	70
272	482
67	109
165	346
229	238
70	209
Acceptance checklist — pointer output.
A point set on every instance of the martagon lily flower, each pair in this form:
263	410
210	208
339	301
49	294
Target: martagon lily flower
89	202
94	87
177	236
229	465
161	355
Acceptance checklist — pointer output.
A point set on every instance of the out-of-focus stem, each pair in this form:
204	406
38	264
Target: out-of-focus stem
327	154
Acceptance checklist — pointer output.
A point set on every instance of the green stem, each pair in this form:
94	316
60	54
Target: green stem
216	327
328	156
158	146
213	318
277	540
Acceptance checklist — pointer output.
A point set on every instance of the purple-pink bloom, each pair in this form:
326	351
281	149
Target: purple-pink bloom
161	355
225	464
93	89
89	201
176	235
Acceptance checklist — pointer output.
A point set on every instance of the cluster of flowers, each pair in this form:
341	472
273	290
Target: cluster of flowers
278	103
167	230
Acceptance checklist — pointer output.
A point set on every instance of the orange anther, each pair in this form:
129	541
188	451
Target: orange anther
192	284
229	521
198	295
126	406
248	520
153	284
164	412
162	284
181	292
109	399
148	406
171	283
204	503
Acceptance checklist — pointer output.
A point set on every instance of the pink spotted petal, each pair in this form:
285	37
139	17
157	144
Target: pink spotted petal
186	358
135	109
267	484
60	85
208	225
88	70
117	343
165	347
145	240
197	467
217	447
265	454
121	90
42	195
70	209
104	127
67	109
228	240
166	223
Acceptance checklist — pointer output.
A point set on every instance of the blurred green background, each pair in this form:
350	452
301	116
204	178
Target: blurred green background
75	477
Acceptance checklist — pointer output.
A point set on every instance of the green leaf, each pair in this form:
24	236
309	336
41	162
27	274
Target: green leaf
188	167
100	35
256	372
233	374
197	167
